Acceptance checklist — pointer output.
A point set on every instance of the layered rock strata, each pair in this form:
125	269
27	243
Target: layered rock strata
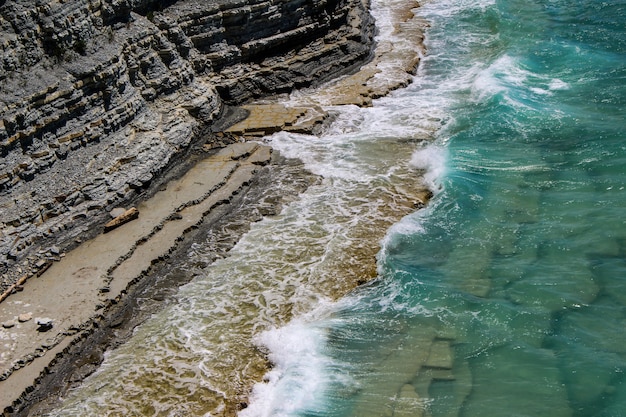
99	97
99	272
92	293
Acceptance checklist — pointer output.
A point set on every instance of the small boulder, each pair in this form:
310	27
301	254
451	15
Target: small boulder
23	318
9	324
128	215
44	324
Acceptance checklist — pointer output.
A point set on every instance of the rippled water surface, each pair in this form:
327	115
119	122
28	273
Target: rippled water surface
506	296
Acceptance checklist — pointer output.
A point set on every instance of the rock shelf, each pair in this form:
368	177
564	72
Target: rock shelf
108	96
265	119
98	272
391	67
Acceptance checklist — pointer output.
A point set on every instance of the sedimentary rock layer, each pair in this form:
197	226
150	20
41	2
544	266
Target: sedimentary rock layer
99	97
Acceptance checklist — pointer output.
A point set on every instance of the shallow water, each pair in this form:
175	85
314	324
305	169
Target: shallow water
504	297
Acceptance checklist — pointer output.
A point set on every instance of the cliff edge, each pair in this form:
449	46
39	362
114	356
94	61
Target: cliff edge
99	98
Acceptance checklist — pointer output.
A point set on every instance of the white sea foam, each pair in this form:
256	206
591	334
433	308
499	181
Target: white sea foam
299	375
450	8
557	84
432	160
298	367
331	155
497	78
517	84
349	152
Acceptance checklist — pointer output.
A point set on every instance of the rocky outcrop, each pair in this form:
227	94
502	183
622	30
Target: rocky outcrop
98	98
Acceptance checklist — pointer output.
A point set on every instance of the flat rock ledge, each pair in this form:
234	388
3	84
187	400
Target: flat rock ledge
391	68
99	272
109	96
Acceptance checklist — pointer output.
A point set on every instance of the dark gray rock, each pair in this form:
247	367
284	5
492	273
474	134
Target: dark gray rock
100	98
44	324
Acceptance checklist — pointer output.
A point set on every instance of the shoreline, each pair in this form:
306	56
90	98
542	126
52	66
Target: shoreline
80	357
115	301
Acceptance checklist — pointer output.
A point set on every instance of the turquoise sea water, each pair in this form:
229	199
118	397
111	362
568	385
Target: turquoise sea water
506	296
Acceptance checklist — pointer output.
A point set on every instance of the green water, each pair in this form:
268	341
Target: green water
507	296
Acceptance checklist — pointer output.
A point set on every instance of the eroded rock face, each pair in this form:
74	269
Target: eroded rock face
99	97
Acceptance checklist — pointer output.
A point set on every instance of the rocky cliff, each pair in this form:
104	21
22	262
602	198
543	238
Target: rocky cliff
98	98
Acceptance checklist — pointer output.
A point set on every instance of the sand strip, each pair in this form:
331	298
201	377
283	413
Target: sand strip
73	291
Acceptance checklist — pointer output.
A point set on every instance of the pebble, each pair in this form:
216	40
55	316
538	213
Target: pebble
44	324
22	318
9	324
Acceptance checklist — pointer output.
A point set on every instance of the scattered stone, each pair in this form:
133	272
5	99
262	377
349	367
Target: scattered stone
9	324
127	216
49	343
44	324
44	267
23	318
